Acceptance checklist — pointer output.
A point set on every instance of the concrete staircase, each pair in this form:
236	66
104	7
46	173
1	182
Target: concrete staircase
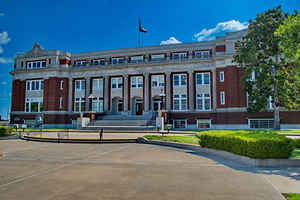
123	122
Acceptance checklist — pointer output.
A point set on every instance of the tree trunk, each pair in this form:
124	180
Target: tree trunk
276	118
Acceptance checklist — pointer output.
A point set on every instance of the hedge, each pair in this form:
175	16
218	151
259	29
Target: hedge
5	131
297	143
259	145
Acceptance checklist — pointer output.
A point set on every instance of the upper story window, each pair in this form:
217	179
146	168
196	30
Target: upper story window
179	79
35	85
157	81
116	83
136	59
203	78
119	60
97	84
80	62
137	82
61	84
179	55
99	62
79	85
202	54
158	57
34	105
36	64
222	98
221	76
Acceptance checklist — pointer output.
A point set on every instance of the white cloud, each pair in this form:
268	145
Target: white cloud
222	27
6	60
171	40
1	14
3	83
4	39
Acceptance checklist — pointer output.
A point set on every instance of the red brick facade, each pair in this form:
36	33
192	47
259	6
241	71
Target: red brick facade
18	95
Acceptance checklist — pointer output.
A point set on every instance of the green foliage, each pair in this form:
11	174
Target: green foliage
5	131
181	139
291	196
296	153
297	143
259	52
253	144
288	32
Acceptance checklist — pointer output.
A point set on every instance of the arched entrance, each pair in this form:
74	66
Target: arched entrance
137	106
117	105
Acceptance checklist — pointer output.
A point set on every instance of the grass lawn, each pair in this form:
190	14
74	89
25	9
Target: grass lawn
181	139
292	196
290	131
296	153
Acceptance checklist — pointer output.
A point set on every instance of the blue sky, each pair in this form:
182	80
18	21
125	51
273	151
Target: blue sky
80	26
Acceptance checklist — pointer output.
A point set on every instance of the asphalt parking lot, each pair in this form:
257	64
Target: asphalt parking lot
36	170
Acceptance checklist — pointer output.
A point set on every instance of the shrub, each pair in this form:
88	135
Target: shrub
253	144
5	130
297	143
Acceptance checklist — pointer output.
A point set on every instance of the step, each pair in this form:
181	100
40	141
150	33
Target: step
121	123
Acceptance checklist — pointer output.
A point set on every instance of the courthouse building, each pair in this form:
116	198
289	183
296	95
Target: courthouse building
197	84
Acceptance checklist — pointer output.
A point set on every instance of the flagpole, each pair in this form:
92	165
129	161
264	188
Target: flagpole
139	39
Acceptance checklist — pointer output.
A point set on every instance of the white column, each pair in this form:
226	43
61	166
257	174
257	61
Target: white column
126	93
191	90
70	103
146	94
168	88
214	94
105	92
87	93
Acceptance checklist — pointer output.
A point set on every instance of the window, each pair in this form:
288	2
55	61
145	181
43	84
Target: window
36	64
79	85
99	62
137	82
180	102
221	76
157	57
179	79
116	83
60	102
202	54
222	97
97	104
204	123
136	59
35	85
203	78
117	60
203	102
79	105
181	55
61	84
80	62
179	123
34	105
98	84
261	123
157	81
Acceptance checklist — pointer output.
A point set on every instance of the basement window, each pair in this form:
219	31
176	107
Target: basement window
179	123
261	123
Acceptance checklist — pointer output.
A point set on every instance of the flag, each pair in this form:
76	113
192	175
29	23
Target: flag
141	29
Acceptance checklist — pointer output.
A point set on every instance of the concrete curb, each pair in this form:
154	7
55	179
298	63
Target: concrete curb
259	163
90	141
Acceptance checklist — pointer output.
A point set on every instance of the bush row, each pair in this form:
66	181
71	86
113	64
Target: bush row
261	148
5	130
297	143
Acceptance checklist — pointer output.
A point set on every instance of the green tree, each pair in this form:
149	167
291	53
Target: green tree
270	81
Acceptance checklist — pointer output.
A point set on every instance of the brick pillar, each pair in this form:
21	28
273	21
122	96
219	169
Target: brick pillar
168	87
70	103
191	90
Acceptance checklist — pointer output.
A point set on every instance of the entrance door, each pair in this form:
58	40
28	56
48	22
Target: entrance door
157	105
139	108
120	106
